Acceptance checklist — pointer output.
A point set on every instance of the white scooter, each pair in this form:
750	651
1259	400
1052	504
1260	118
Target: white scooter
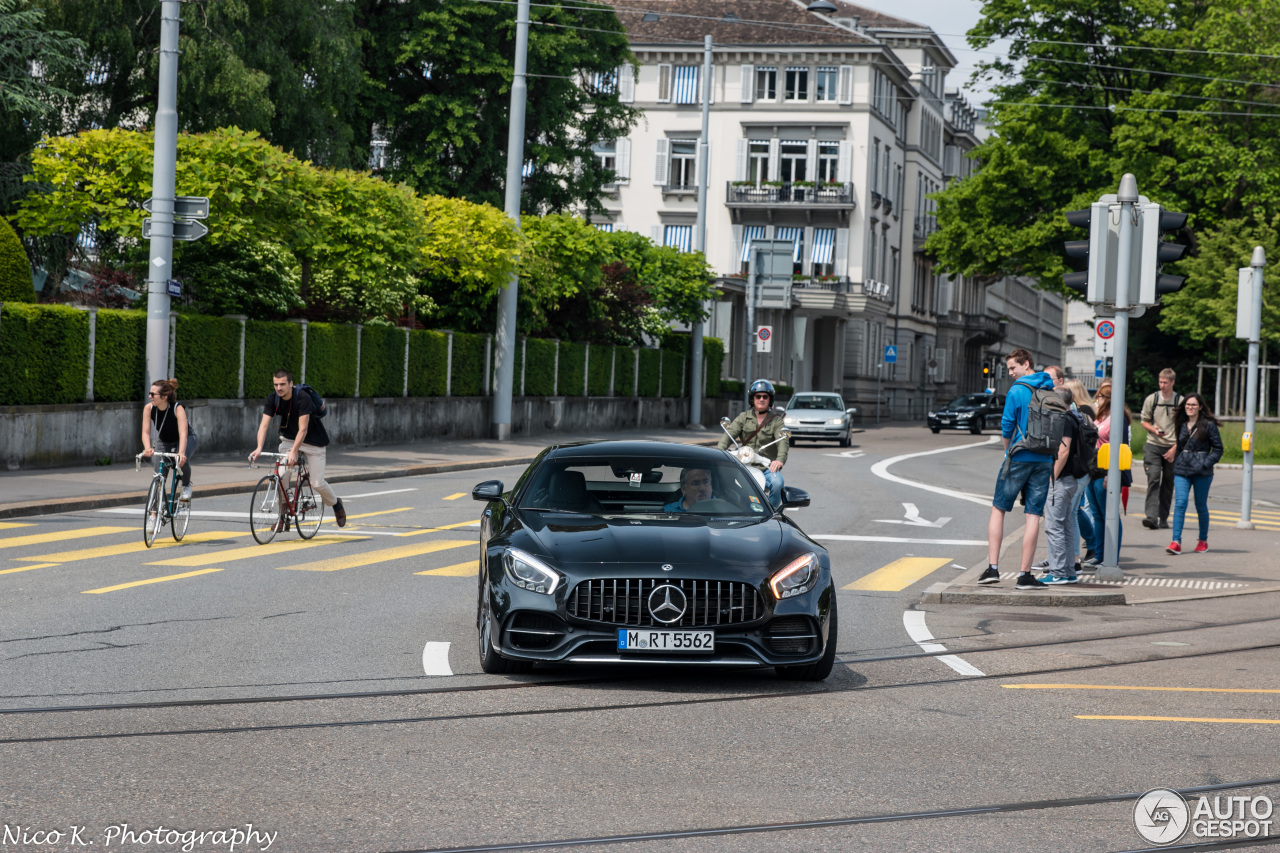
748	455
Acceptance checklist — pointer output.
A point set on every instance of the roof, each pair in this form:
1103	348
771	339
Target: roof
872	19
735	22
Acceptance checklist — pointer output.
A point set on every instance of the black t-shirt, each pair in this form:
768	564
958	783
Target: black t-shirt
1070	430
166	423
290	410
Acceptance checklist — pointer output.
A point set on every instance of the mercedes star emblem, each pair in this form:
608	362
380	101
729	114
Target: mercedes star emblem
666	567
667	604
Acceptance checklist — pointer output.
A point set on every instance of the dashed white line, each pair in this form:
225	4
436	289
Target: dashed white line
913	621
435	659
375	494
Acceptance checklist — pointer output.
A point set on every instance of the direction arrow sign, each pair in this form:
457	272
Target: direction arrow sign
185	207
890	354
183	229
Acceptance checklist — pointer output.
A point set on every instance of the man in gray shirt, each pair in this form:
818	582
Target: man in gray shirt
1157	419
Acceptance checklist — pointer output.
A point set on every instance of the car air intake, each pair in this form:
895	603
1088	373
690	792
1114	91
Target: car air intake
531	630
791	635
625	601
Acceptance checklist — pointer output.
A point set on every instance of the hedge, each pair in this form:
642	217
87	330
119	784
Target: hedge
382	361
468	365
206	357
15	270
599	367
44	351
649	359
572	369
713	360
120	356
674	365
428	354
268	347
624	375
331	359
540	372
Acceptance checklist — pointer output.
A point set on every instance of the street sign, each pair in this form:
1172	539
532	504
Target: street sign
1135	311
1104	347
185	207
890	354
764	339
183	229
175	287
1244	304
1099	368
1105	329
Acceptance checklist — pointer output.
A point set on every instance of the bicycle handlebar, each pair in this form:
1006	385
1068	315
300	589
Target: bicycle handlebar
253	463
137	460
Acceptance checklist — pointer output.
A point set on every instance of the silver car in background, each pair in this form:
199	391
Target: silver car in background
820	416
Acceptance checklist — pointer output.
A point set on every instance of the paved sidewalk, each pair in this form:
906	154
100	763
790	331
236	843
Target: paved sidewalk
34	492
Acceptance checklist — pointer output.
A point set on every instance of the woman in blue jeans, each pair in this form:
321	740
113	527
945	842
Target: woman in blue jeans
1097	493
1198	449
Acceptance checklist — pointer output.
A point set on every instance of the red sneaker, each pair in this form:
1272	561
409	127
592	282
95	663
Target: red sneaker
1174	548
1202	546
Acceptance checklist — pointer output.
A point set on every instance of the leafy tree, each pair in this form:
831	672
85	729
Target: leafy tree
15	272
468	255
254	278
26	98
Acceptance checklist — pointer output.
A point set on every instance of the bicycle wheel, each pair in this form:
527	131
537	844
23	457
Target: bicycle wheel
153	512
310	510
181	515
264	511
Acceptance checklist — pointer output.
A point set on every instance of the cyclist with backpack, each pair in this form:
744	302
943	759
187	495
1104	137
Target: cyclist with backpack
301	431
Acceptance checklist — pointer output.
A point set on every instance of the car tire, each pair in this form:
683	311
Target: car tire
820	669
492	662
848	438
976	427
935	430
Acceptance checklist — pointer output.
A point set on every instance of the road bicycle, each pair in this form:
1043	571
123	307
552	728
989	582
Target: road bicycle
163	503
273	507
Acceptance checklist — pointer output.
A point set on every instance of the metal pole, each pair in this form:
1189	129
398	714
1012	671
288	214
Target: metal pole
700	236
753	272
1128	196
879	380
163	179
1258	261
505	337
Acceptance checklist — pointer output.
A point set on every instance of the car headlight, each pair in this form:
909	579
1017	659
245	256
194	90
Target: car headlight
795	577
790	421
962	415
836	422
528	572
933	414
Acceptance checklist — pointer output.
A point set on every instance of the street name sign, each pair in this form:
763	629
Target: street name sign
183	229
184	207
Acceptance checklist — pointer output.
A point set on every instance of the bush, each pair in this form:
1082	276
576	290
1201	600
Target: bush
649	360
713	362
783	392
44	350
120	356
382	361
573	366
540	372
624	376
468	365
673	369
732	388
258	279
599	368
15	270
269	347
428	360
331	359
206	357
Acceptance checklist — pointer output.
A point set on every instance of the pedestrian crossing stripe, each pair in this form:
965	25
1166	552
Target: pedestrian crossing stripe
383	555
381	512
899	574
441	527
134	547
62	535
458	570
28	568
1257	512
9	525
147	581
1178	583
252	551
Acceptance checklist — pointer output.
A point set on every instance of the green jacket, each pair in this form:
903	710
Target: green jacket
745	424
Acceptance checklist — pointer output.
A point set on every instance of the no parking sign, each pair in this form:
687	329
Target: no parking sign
1104	338
764	339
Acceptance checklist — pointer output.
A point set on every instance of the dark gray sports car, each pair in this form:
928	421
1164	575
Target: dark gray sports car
646	552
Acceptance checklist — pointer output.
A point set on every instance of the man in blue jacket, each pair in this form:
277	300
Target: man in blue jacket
1025	470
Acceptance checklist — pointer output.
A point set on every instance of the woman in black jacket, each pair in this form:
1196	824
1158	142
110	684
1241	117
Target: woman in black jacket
1198	449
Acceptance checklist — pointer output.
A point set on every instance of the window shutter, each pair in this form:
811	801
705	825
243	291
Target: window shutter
842	252
623	160
740	162
664	84
775	158
661	162
737	248
655	234
811	168
846	84
940	356
844	168
748	83
626	83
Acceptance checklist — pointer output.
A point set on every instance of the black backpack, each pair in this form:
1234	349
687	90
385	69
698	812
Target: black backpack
1084	450
317	402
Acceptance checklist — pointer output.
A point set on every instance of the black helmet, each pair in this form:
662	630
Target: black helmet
762	385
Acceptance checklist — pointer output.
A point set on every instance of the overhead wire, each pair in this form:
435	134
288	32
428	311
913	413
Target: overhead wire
1121	108
1081	85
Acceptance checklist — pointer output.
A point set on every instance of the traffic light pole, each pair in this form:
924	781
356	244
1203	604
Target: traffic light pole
1258	261
163	181
700	236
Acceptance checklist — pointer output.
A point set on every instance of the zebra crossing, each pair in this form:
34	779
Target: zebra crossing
1136	581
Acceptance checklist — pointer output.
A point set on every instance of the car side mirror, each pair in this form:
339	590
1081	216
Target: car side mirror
851	411
489	490
793	498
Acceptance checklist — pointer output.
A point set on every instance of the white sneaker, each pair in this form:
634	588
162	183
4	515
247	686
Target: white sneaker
186	494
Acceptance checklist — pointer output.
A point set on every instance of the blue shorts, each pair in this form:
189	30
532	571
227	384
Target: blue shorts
1034	476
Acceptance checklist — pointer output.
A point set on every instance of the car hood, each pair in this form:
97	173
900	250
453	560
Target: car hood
687	541
954	409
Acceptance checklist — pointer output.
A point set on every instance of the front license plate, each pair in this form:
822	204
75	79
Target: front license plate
630	640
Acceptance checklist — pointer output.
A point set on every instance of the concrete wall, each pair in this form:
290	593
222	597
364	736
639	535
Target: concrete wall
82	433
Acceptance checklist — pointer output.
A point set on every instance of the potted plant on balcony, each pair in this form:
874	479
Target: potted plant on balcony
800	188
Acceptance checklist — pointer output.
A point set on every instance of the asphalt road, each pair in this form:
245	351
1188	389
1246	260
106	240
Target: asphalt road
1020	741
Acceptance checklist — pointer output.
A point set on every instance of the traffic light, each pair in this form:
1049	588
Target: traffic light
1152	284
1094	276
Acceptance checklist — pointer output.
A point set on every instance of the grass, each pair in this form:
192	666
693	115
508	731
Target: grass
1266	442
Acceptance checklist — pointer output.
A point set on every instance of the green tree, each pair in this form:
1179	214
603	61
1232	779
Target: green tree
15	272
27	99
467	256
254	278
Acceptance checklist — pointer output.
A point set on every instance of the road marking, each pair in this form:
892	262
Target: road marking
132	547
28	568
270	550
435	659
150	580
899	574
61	535
1178	719
375	494
381	512
458	570
441	527
1128	687
881	470
913	518
9	525
369	558
848	454
913	621
840	537
195	513
455	496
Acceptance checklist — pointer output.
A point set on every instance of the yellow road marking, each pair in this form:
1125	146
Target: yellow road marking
9	525
459	570
272	549
1126	687
61	535
380	512
368	558
1256	511
455	496
1180	719
441	527
899	574
133	547
151	580
28	568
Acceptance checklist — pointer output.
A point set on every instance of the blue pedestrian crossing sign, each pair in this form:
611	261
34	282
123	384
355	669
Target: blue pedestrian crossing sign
1099	368
890	354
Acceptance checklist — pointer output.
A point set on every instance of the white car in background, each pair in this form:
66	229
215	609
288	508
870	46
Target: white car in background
820	417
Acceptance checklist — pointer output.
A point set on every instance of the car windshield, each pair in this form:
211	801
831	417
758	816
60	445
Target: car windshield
815	401
645	486
969	401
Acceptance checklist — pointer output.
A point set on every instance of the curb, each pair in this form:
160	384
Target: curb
944	593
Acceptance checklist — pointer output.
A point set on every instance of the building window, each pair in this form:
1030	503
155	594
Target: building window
766	83
794	161
679	236
824	241
758	161
828	161
607	154
796	236
749	234
797	84
872	243
684	162
686	88
875	166
825	84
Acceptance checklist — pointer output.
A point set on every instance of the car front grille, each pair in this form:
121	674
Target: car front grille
791	635
624	601
530	630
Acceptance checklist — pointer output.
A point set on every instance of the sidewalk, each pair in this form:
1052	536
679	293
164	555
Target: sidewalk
39	491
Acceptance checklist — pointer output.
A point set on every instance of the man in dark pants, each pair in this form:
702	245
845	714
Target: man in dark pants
1157	419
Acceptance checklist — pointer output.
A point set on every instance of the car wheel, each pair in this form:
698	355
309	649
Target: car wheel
490	661
976	427
848	438
819	670
935	430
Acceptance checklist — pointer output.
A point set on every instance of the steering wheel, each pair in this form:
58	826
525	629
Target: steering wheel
713	505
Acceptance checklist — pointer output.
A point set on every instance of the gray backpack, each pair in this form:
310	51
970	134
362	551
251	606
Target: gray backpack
1047	412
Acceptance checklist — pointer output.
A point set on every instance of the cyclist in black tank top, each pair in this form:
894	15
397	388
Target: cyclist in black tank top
174	434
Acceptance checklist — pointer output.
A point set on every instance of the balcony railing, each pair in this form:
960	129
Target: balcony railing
836	285
778	192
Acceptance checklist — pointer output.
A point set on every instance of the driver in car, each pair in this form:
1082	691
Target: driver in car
695	485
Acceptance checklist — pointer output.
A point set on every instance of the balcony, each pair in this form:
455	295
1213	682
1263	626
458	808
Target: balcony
830	283
924	226
801	193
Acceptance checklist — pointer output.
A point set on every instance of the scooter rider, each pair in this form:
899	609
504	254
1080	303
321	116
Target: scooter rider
760	426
